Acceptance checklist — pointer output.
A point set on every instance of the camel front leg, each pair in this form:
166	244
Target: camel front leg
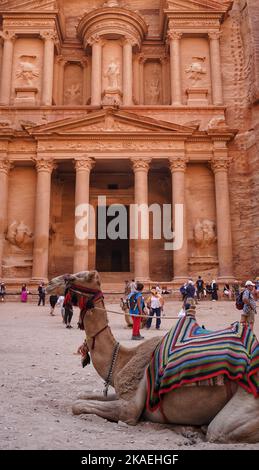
118	410
128	411
94	396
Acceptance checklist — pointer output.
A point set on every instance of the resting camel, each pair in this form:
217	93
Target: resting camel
228	413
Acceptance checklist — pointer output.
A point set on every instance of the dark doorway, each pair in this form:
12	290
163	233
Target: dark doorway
112	255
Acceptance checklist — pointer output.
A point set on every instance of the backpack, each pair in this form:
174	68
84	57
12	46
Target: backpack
239	301
133	302
183	290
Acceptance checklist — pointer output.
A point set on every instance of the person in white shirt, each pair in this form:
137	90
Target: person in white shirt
60	303
132	286
155	304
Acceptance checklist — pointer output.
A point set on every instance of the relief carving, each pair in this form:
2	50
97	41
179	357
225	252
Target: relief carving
111	3
196	71
153	90
113	76
27	71
5	123
204	233
216	122
19	234
73	94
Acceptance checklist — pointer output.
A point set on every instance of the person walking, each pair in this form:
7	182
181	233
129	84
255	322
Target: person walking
2	292
136	303
132	286
42	294
53	301
200	288
214	291
60	303
127	288
24	293
235	289
257	288
227	291
189	290
155	304
249	308
68	306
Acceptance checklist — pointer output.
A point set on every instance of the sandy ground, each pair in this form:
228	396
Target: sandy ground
40	377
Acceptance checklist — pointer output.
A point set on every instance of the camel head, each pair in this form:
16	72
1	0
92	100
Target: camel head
88	279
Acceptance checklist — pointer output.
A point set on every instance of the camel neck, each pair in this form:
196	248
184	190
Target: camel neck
101	344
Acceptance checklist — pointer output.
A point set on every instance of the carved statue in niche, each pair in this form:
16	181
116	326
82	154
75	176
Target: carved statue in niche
27	71
153	90
196	71
73	94
204	233
19	235
113	76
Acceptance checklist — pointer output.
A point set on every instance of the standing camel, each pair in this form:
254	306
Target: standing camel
231	413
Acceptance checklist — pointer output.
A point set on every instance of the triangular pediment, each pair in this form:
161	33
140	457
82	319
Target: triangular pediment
28	5
198	5
108	122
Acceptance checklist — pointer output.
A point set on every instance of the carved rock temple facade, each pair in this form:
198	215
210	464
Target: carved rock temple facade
141	101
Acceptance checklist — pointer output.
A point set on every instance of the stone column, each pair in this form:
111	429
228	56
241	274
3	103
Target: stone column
48	67
96	87
135	81
42	212
127	72
164	62
1	52
224	237
141	247
178	167
5	166
85	64
83	168
175	66
216	78
61	72
7	66
141	79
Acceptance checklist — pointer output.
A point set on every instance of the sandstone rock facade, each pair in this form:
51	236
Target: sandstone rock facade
147	101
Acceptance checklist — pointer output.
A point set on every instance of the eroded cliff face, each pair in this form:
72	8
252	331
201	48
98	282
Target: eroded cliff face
240	68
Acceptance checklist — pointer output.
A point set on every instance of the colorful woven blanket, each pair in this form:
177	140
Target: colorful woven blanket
189	354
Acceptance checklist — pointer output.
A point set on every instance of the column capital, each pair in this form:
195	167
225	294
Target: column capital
85	62
178	163
164	59
174	35
61	60
5	165
45	164
84	163
214	35
129	40
95	39
140	164
8	35
220	164
141	58
48	35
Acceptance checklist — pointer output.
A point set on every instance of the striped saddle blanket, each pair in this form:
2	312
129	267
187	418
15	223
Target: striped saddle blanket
190	354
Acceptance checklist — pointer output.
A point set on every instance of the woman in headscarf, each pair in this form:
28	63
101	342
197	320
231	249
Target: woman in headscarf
214	290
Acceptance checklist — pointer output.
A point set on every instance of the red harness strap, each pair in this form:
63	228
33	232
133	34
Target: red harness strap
94	337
